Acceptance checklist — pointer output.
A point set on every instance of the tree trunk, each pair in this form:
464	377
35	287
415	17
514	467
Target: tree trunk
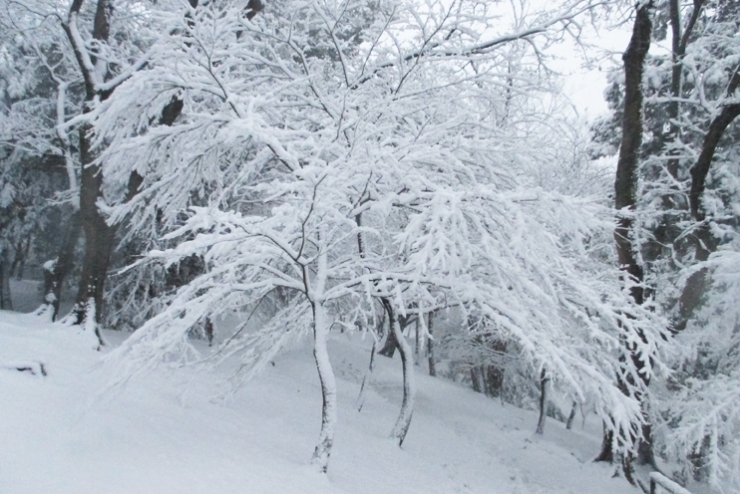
6	303
544	380
571	417
391	342
679	41
625	185
607	446
368	375
704	243
56	271
19	260
476	379
390	345
417	335
328	389
430	347
494	377
409	388
99	236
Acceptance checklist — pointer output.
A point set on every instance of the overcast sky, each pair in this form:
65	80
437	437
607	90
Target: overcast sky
585	85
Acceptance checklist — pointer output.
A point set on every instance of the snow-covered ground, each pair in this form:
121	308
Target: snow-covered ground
168	432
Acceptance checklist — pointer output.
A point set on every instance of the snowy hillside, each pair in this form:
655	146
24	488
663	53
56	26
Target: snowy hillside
169	433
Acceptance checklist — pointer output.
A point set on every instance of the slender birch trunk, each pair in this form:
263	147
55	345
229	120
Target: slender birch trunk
321	326
328	389
544	381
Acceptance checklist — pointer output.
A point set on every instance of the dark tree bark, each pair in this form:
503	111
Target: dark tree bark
625	186
99	236
417	337
571	416
390	345
494	376
607	452
6	303
61	267
391	341
679	41
704	242
476	379
19	259
430	347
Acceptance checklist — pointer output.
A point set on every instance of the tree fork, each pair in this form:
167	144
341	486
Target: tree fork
407	361
704	242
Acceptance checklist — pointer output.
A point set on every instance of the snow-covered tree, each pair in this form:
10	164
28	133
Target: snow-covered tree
349	155
686	209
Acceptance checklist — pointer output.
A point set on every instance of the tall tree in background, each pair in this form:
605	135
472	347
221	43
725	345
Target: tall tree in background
686	225
626	185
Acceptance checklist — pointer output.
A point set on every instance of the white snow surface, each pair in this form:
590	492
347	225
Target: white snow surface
167	432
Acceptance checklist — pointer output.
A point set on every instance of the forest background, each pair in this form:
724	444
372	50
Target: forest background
391	167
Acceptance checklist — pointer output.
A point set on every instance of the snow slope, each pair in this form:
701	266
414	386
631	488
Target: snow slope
168	432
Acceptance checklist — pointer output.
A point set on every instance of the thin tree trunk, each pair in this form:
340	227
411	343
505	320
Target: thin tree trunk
6	303
19	260
56	271
391	342
571	417
409	388
328	389
494	377
430	347
417	334
544	380
366	378
607	449
476	378
679	41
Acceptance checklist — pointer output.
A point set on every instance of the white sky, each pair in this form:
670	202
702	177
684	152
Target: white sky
585	85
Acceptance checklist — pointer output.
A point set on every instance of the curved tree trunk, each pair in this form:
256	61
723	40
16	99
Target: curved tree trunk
328	389
409	388
391	343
